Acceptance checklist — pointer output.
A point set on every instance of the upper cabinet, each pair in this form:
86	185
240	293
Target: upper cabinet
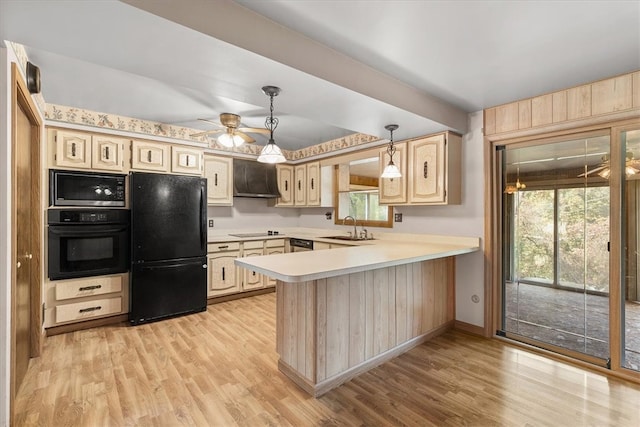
219	174
186	160
305	185
285	185
433	175
150	156
79	150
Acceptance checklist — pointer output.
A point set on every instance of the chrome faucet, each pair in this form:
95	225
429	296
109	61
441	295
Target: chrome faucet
355	225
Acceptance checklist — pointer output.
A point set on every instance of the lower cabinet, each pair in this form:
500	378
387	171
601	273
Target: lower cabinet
76	300
223	278
252	279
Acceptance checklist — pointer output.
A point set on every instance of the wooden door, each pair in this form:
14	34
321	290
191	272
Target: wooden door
26	230
252	279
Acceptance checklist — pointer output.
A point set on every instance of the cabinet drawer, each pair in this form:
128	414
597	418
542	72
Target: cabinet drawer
87	287
275	243
88	309
257	244
223	247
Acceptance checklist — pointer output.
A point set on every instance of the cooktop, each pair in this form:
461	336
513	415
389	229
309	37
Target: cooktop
268	233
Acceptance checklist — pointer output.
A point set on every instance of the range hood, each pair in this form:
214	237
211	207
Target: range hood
254	179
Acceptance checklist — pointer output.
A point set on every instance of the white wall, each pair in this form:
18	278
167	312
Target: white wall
6	57
466	219
251	213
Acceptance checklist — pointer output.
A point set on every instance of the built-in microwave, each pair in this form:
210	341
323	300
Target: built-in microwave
75	188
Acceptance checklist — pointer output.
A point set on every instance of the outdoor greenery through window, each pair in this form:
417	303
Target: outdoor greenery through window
364	205
561	237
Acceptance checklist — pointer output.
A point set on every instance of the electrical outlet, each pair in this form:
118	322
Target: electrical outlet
397	217
210	223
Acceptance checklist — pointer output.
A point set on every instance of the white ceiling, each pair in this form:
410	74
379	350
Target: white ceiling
344	66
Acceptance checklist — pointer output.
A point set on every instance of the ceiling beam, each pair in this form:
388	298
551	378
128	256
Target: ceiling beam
230	22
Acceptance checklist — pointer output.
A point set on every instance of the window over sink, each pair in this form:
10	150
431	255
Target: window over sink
358	194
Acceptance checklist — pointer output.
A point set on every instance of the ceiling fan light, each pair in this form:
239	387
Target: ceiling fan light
227	140
237	140
271	153
391	171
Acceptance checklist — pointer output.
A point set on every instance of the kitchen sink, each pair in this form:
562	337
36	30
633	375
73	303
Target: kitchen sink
344	238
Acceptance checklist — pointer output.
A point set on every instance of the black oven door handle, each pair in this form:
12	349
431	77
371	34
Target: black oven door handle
85	232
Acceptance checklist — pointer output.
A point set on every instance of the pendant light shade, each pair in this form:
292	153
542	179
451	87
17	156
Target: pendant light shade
271	153
391	170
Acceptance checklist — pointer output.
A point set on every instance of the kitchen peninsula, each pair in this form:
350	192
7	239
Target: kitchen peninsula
342	311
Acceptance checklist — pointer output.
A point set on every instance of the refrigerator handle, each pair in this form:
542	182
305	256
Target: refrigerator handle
203	223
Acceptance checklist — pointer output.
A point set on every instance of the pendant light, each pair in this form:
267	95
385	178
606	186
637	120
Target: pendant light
391	170
271	153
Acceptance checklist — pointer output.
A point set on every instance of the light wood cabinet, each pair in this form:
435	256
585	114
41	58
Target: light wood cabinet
302	185
76	300
300	188
108	152
223	277
252	279
186	160
313	184
78	150
394	190
272	247
433	175
150	156
285	185
219	174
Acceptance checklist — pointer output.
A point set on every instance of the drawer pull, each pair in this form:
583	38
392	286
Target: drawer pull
106	152
425	170
90	309
223	247
89	288
73	149
215	179
149	156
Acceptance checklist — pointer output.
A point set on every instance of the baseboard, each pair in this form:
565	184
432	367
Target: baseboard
72	327
469	328
231	297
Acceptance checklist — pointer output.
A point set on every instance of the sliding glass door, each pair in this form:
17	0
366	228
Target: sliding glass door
555	258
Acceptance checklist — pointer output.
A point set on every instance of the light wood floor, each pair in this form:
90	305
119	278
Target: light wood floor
218	368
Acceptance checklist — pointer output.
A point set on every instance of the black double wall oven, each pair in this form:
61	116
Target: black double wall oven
87	234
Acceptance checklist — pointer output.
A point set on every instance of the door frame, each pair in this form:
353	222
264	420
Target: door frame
21	98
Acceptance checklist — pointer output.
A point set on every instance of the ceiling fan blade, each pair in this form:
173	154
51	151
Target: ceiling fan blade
254	130
592	171
207	132
212	122
244	136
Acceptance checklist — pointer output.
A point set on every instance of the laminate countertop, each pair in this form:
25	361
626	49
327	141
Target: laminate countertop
311	265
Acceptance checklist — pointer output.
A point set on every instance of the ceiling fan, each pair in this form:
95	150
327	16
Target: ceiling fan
232	134
632	167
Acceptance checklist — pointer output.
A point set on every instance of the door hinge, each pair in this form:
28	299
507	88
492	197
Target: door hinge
42	318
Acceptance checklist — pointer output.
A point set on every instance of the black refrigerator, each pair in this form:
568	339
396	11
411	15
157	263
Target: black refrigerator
168	246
